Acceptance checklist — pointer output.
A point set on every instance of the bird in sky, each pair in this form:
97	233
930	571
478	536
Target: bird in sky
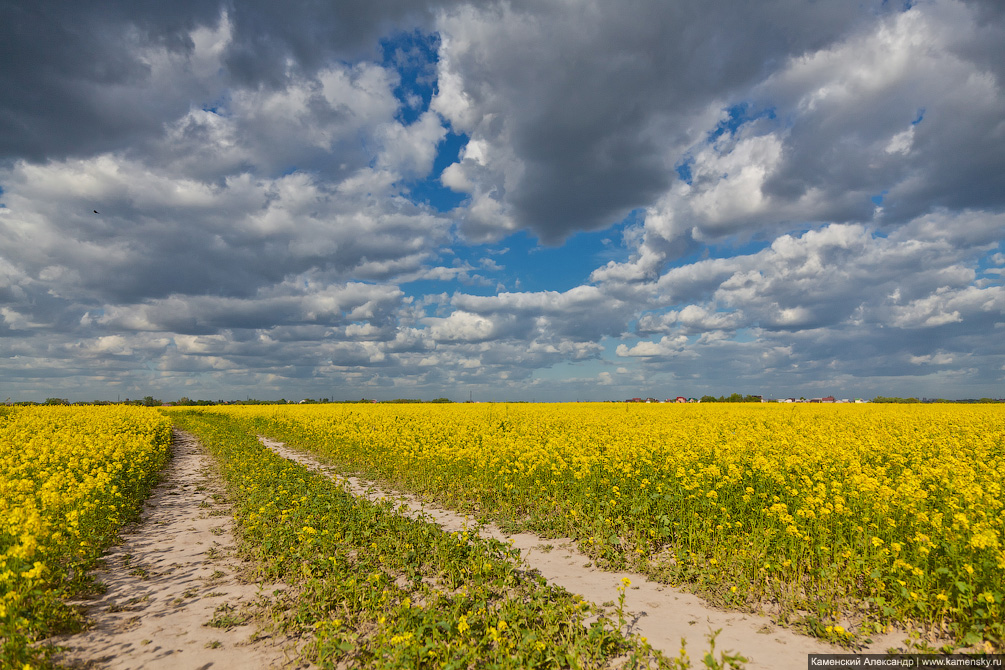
95	211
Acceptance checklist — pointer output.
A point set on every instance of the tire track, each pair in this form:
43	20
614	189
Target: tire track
661	613
175	599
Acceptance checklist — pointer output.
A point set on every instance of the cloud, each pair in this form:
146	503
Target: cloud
561	156
261	198
583	312
690	320
804	304
158	235
840	274
892	110
666	347
112	78
548	322
933	359
328	306
897	112
464	326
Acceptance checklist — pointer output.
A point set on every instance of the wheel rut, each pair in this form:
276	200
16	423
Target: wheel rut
175	597
661	613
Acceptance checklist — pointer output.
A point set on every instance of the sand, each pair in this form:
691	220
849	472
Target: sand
661	613
174	573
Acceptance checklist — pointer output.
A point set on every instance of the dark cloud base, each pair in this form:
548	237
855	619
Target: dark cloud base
229	200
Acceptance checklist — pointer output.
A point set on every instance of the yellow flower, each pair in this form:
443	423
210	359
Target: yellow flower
815	485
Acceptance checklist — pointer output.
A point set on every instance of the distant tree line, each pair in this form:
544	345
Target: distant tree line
306	401
734	397
147	401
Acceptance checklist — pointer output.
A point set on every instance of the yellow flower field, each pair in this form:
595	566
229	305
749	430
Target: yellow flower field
373	588
837	518
69	477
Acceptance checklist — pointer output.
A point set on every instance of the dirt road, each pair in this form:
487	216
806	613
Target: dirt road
175	598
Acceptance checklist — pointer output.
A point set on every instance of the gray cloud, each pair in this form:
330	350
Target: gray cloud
77	81
816	195
838	303
898	111
582	114
330	306
581	314
158	235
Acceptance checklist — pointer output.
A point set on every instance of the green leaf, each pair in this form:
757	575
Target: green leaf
972	637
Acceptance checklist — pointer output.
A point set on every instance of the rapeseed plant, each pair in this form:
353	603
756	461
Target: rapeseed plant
69	478
862	515
377	589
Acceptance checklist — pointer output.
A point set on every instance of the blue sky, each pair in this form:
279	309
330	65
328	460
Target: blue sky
505	201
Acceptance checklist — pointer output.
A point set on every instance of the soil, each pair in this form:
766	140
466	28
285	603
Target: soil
175	597
661	613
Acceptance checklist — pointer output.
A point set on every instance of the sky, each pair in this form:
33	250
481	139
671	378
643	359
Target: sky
553	200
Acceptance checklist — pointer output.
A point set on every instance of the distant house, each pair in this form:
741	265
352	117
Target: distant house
680	398
829	398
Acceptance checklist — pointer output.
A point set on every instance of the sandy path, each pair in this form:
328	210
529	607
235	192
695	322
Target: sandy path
174	573
661	613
